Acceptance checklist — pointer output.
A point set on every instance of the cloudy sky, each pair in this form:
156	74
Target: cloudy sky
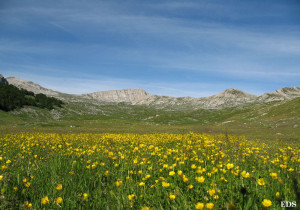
177	48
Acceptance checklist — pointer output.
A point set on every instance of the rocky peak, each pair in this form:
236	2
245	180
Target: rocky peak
3	80
30	86
281	94
125	95
234	93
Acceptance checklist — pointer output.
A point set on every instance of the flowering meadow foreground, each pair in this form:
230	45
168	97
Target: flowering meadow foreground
150	171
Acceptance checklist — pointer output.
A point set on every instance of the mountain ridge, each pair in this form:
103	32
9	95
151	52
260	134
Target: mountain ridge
228	98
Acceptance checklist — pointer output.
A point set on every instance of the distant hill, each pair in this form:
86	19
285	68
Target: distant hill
12	97
275	114
226	99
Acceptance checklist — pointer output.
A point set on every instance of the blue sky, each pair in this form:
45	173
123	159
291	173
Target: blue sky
177	48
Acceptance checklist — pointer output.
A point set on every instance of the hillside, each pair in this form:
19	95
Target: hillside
13	98
130	110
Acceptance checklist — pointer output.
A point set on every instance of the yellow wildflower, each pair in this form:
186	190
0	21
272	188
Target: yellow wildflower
171	173
59	186
172	197
59	200
229	166
210	205
200	179
165	184
266	203
131	197
261	181
199	206
45	200
85	196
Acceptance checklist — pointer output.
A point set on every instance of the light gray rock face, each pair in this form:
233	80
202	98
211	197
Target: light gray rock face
125	95
230	97
227	98
30	86
285	93
3	80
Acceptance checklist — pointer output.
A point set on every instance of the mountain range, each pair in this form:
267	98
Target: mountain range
271	115
228	98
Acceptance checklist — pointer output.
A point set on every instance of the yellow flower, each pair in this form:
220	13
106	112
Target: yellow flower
1	177
171	173
45	200
142	184
145	208
212	192
199	206
59	186
261	181
266	203
27	184
27	204
229	166
274	175
193	166
277	194
190	186
179	173
172	197
245	174
210	205
185	179
165	184
131	197
15	188
118	183
24	180
85	196
200	179
59	200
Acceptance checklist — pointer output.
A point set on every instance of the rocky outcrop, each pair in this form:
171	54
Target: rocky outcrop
30	86
285	93
227	98
125	95
230	97
3	80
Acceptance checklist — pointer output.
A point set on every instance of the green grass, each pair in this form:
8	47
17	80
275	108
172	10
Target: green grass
269	120
110	167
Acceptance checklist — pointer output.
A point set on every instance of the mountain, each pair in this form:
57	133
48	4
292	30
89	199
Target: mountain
31	86
285	93
228	98
125	95
270	115
3	80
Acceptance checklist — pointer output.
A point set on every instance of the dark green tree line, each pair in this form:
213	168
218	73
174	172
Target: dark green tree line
12	97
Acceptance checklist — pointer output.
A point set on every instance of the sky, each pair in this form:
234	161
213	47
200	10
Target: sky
167	47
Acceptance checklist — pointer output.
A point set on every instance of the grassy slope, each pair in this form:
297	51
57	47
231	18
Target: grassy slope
270	120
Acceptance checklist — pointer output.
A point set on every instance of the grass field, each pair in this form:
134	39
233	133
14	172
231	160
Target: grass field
146	171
